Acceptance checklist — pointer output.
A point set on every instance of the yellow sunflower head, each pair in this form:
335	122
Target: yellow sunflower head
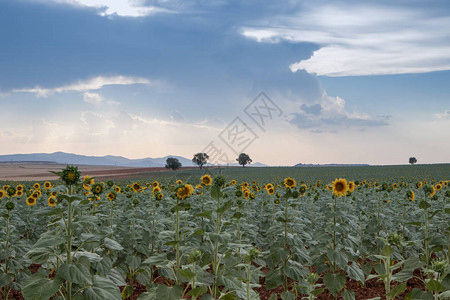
233	182
31	201
289	182
179	181
36	186
206	179
2	194
339	187
155	183
51	201
47	185
111	196
438	187
156	189
270	190
117	189
136	187
351	186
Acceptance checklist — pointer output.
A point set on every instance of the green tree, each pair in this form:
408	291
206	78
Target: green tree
173	163
200	159
244	159
412	160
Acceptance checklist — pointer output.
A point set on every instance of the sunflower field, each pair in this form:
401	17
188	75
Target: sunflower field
214	236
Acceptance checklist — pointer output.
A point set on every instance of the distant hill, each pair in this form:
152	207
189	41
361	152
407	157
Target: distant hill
76	159
331	165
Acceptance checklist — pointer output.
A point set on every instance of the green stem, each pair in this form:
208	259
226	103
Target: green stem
69	242
248	279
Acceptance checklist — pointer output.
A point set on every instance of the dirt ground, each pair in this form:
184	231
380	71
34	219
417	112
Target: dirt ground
37	171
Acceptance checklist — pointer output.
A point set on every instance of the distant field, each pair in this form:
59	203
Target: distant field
41	171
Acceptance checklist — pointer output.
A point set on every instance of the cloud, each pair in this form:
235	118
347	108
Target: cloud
123	8
177	116
329	114
94	83
93	98
444	115
363	39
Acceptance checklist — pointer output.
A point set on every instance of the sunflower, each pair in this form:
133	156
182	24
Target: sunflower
19	193
19	187
433	192
270	190
438	187
156	189
185	191
269	186
289	182
31	201
159	196
111	196
339	187
419	184
11	191
117	189
179	181
5	187
51	201
206	179
136	187
36	186
2	194
395	186
36	194
47	185
233	182
246	194
70	175
97	189
155	183
411	196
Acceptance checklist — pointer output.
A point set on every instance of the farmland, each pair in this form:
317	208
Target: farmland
227	233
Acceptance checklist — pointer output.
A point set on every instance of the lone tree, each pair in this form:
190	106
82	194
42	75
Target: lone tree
244	159
173	163
412	160
200	159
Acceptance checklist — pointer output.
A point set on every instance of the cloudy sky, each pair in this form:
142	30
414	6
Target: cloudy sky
342	81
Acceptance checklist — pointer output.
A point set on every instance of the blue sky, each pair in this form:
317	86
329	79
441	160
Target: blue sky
355	82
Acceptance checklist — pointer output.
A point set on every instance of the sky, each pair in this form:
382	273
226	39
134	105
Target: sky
285	81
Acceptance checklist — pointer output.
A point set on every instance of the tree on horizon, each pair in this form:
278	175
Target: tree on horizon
200	159
173	163
412	160
244	159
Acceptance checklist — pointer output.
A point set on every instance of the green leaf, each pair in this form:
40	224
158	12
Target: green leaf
348	295
75	273
355	272
103	288
112	244
274	279
115	276
435	286
340	258
162	291
49	239
424	204
444	295
398	289
216	193
387	251
334	282
39	287
418	294
196	292
287	296
186	273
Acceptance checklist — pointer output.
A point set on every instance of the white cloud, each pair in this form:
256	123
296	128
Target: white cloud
123	8
93	98
330	113
94	83
444	115
362	39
